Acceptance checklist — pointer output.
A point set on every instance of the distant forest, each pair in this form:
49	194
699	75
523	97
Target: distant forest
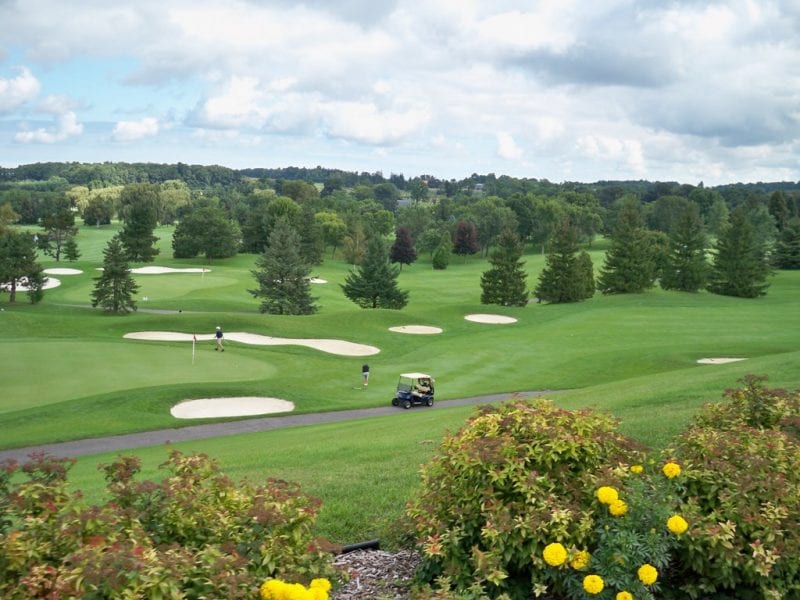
57	176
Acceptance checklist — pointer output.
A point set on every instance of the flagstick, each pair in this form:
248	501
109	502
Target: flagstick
194	341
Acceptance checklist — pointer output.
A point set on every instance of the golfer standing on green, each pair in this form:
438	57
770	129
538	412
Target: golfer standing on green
218	335
365	374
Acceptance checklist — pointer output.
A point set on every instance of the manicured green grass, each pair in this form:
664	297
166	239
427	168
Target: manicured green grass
68	373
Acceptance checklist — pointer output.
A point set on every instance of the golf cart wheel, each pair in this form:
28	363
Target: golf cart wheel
394	401
429	401
406	404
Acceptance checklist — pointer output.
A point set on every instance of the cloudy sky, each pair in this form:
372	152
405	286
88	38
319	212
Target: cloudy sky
567	90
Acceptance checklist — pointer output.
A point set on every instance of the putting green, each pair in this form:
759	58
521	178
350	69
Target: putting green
62	370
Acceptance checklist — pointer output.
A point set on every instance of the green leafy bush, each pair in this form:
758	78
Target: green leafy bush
514	479
196	534
742	496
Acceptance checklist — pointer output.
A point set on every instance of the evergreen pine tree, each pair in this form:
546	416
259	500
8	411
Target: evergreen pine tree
443	252
374	283
740	266
71	252
629	265
787	250
505	282
115	288
282	275
18	265
140	216
402	250
586	274
686	268
561	280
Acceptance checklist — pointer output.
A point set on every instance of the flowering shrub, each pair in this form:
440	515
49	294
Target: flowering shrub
742	498
516	479
196	534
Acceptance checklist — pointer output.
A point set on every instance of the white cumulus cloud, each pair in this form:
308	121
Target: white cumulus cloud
66	126
19	90
507	148
126	131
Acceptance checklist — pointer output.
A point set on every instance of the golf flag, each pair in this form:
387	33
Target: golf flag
194	341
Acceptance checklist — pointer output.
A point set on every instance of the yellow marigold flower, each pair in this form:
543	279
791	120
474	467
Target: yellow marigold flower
272	589
318	594
607	494
580	561
618	508
647	574
637	469
671	470
677	524
321	583
624	596
555	554
593	584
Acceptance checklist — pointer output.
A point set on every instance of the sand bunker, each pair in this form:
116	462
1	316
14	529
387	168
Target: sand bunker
49	283
317	280
229	407
417	329
339	347
494	319
718	361
62	271
161	270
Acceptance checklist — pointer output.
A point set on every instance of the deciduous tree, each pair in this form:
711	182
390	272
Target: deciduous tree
466	239
59	227
402	250
18	264
207	231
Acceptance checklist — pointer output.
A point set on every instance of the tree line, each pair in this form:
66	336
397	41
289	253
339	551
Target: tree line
663	239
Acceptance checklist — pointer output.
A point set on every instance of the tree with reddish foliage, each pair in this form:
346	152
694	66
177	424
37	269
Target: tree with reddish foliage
466	239
402	250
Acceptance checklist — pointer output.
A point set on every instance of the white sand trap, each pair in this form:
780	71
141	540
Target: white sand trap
62	271
718	361
494	319
417	329
229	407
339	347
317	280
162	270
49	283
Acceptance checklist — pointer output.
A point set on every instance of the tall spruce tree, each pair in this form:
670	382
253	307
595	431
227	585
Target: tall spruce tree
115	288
282	275
629	267
787	250
18	265
140	206
374	283
562	280
586	274
402	251
740	266
505	282
686	268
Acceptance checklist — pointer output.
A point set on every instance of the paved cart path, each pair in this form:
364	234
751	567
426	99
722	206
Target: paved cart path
158	437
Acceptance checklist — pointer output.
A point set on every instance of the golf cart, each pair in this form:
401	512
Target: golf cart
413	389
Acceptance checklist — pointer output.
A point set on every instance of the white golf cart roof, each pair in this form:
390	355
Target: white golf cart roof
416	376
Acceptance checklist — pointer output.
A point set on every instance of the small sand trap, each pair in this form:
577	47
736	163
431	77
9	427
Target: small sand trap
161	270
229	407
339	347
494	319
417	329
49	283
317	280
718	361
62	271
